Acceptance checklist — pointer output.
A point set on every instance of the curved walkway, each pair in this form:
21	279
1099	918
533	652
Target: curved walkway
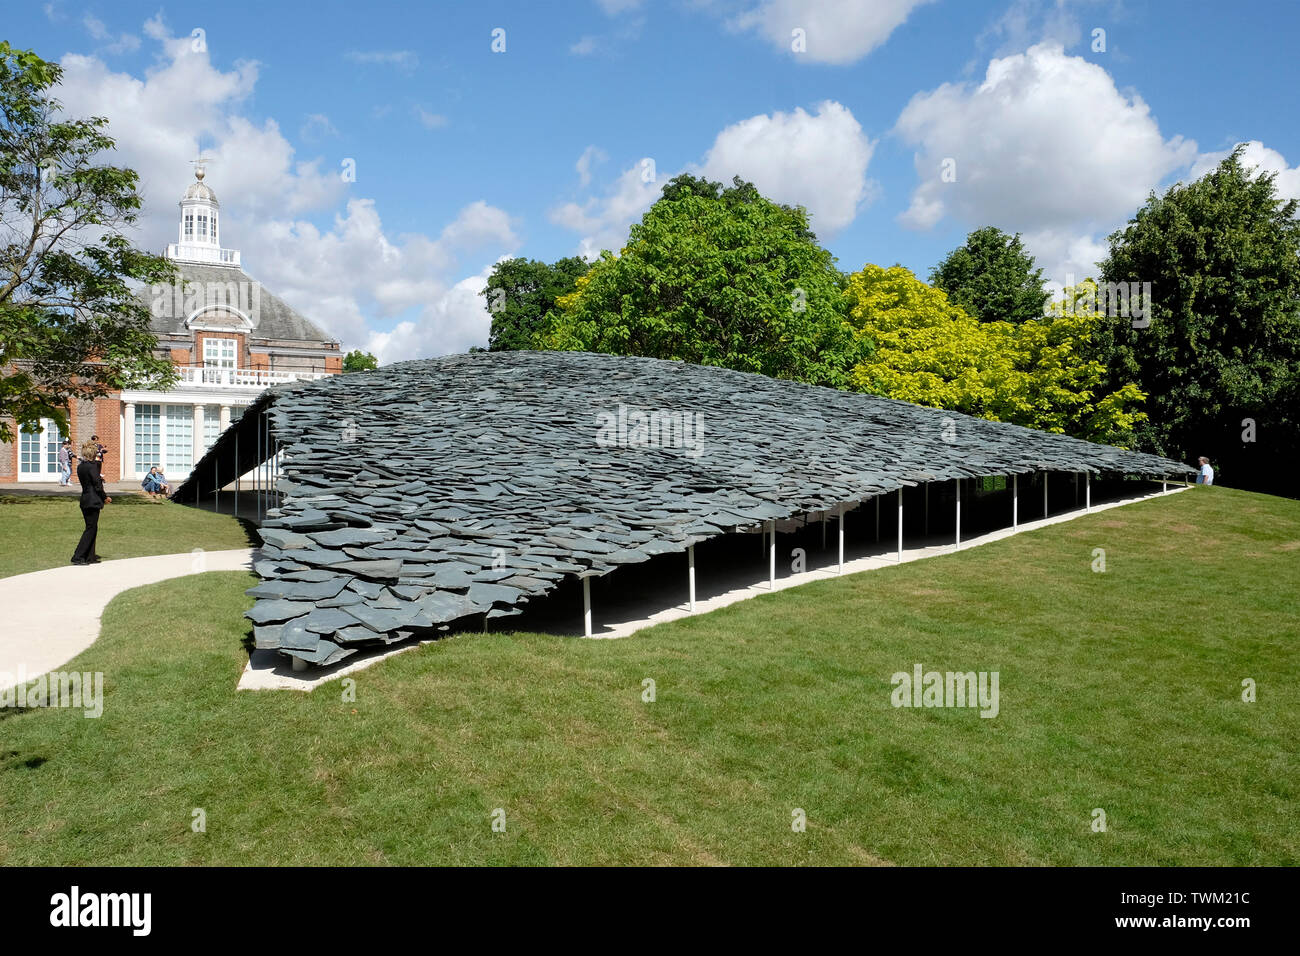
51	616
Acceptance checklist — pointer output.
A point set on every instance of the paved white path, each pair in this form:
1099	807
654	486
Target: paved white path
49	617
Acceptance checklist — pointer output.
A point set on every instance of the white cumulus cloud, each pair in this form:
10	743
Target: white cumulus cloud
347	277
834	31
1262	159
816	160
1045	145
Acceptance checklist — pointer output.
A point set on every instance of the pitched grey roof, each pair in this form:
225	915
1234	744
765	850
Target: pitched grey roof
273	317
427	492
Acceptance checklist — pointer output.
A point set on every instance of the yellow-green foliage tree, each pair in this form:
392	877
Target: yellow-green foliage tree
932	352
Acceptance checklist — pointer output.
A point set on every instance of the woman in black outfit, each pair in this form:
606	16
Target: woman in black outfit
93	500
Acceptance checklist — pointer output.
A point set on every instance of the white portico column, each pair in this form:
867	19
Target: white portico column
198	432
128	442
1087	491
1015	501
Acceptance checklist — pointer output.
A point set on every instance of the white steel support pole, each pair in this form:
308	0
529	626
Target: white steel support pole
257	474
586	607
1087	491
900	525
771	556
958	544
1164	487
841	522
690	573
1015	501
1045	475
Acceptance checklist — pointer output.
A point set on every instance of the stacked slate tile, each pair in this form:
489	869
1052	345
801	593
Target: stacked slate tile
432	494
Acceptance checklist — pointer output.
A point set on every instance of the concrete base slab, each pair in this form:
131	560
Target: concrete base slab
884	556
269	670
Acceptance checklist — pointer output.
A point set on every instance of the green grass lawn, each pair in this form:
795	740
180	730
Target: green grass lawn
41	531
1119	690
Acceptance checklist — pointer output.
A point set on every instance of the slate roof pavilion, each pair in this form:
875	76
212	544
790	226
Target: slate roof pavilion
443	492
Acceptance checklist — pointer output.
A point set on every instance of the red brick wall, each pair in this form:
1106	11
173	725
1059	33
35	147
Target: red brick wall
85	418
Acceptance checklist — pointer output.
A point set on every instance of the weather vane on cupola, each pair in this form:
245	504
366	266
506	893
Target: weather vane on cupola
200	163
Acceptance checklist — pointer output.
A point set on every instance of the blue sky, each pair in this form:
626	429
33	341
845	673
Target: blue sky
464	155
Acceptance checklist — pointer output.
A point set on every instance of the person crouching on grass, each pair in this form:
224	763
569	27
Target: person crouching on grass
93	499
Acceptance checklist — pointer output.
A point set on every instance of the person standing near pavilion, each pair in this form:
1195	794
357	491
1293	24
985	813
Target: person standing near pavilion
1206	477
65	462
100	452
93	499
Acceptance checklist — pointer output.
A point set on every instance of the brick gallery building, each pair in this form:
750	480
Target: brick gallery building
228	338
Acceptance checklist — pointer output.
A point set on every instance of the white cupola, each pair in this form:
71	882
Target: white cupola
198	231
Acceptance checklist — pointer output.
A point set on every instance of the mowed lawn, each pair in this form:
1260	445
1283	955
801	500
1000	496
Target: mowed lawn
41	531
1119	691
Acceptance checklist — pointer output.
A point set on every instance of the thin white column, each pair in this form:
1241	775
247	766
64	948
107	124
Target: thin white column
257	473
1015	501
198	432
690	573
1164	487
586	607
1087	491
958	544
225	417
900	525
841	523
1045	474
771	556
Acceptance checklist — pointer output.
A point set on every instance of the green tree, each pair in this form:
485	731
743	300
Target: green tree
930	351
1220	345
718	277
993	278
70	325
358	361
520	293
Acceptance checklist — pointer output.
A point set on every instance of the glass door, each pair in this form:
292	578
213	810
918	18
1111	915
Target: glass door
38	452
